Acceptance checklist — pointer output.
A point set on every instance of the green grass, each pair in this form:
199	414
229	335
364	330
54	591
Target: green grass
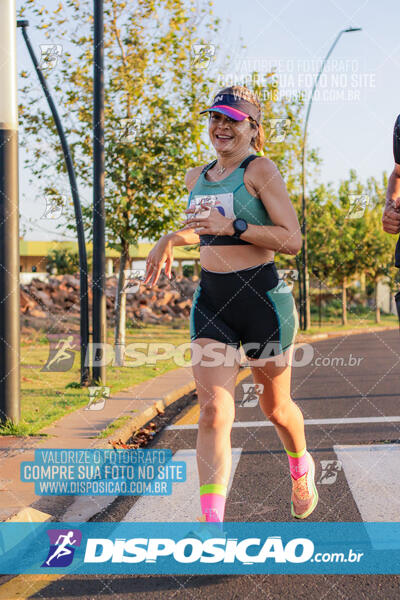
10	428
355	321
48	396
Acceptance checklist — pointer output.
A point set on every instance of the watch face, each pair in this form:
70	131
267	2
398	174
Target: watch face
240	225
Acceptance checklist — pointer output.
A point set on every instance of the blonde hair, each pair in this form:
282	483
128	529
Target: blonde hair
243	92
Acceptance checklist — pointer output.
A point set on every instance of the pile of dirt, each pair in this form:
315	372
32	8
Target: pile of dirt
56	300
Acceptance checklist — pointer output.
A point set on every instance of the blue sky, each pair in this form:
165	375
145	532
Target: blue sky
358	98
352	129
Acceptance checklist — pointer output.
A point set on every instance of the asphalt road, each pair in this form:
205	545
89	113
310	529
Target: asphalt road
330	387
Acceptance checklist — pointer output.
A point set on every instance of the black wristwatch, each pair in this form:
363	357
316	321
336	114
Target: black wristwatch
240	226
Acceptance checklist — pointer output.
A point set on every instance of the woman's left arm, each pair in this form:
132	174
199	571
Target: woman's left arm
285	235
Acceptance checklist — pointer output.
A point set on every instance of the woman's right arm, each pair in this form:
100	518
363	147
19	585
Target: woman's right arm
183	237
162	252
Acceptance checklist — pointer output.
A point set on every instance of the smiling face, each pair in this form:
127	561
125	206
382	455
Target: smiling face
229	136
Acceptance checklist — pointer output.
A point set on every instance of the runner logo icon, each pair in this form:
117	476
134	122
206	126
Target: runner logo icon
63	543
330	470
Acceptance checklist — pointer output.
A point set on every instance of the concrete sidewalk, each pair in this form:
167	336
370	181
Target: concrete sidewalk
79	430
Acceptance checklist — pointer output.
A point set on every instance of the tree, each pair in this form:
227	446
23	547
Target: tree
378	246
62	261
152	99
346	237
283	125
153	134
349	259
322	234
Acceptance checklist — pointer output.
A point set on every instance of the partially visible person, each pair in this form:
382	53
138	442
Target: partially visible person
391	213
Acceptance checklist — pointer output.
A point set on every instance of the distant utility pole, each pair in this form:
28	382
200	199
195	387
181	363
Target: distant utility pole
99	249
9	217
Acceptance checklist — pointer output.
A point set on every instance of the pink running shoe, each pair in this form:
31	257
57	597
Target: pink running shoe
304	492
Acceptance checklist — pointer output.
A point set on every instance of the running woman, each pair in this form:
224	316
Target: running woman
240	298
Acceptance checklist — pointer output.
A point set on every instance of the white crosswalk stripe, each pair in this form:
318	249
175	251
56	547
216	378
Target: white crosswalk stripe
183	505
373	475
338	421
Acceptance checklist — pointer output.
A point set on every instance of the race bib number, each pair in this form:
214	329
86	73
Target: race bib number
223	202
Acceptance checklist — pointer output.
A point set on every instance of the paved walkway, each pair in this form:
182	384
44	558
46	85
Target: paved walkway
80	428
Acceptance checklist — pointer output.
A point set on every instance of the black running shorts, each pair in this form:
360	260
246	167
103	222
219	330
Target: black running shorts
250	306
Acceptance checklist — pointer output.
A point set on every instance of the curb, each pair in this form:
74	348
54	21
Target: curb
138	421
129	429
332	334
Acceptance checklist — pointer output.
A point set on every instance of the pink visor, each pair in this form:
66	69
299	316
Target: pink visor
233	113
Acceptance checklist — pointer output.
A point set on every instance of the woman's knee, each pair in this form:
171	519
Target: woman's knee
279	415
214	415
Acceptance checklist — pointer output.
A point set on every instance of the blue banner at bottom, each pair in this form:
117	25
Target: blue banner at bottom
199	548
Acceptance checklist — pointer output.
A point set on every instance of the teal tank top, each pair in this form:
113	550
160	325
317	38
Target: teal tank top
232	199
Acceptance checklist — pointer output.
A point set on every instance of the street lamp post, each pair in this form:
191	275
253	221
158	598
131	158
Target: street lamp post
9	217
99	254
83	269
305	318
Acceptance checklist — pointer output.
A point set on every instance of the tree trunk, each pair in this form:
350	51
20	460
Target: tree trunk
377	308
308	301
363	289
344	301
120	308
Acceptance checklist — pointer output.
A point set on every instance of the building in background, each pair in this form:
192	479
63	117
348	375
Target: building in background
34	257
